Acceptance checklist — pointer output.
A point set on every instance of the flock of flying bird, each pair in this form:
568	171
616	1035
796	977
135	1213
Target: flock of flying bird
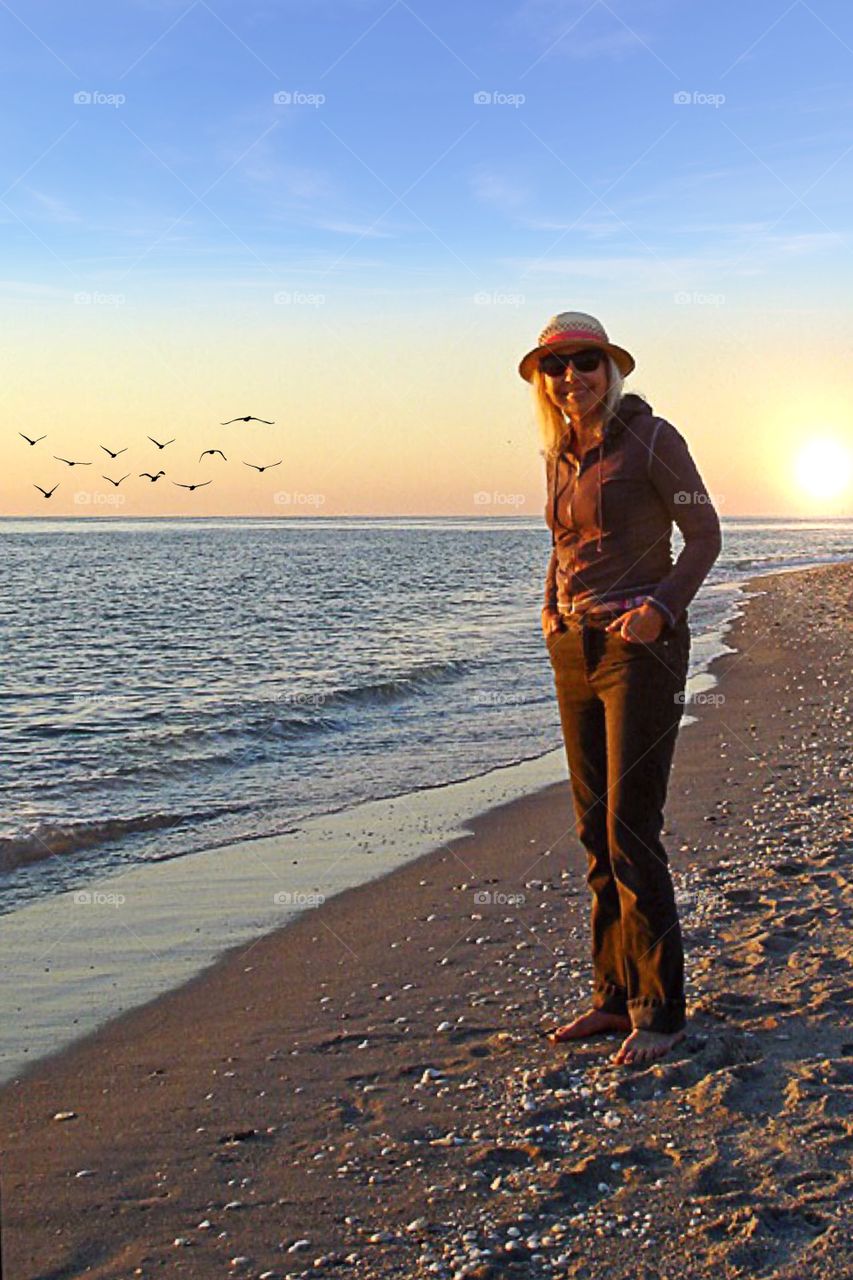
148	475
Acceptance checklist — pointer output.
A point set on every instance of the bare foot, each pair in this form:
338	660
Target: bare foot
642	1047
590	1024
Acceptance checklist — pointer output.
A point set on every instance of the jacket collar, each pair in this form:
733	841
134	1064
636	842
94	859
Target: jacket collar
630	407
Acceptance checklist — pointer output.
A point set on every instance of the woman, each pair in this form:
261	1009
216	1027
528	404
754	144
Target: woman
616	628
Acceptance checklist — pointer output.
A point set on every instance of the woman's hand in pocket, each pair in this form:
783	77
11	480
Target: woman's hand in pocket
639	626
551	622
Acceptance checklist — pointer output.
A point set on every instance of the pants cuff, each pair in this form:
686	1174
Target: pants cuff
611	999
663	1016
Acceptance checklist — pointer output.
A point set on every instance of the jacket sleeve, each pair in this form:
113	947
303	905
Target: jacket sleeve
680	487
551	582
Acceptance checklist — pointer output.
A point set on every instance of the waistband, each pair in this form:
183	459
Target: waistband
603	609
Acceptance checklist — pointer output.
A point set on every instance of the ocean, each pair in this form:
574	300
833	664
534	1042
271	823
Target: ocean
170	686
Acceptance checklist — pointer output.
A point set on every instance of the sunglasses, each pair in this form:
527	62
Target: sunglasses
587	361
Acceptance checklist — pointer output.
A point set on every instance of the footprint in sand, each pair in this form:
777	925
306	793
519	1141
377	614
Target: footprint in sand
743	1090
814	1185
747	898
585	1183
720	1178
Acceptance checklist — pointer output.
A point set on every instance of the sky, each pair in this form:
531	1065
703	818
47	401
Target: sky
353	217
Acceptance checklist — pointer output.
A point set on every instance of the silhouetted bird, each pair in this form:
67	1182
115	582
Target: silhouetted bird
158	444
266	468
47	492
219	451
248	418
29	441
110	452
70	463
149	475
115	482
191	486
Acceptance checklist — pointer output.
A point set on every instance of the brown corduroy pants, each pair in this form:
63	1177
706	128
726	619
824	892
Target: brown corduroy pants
620	708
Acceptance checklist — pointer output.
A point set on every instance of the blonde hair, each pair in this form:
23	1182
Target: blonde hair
554	427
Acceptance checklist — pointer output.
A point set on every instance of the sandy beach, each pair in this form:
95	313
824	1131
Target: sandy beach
367	1091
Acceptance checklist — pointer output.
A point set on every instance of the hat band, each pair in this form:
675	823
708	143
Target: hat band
572	334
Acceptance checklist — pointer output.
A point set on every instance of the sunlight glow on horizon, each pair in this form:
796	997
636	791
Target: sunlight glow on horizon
823	468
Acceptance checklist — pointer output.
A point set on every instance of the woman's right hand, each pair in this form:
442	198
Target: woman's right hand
551	622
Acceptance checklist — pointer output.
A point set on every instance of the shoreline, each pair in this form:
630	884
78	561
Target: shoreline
345	1009
179	916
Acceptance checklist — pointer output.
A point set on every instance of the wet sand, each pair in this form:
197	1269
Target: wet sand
366	1092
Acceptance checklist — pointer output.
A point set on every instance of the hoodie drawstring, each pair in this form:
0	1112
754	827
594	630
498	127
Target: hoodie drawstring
554	502
600	503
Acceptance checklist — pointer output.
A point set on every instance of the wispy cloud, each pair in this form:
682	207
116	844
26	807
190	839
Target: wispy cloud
608	44
366	230
584	29
288	181
498	190
660	272
29	290
596	229
50	208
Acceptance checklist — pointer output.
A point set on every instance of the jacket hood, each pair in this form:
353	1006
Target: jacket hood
630	406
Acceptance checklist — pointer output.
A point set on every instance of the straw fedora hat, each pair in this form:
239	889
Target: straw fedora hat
572	331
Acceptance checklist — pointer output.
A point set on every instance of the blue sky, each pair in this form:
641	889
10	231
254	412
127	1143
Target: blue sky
201	199
398	179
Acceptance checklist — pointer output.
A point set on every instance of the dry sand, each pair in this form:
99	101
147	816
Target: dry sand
365	1092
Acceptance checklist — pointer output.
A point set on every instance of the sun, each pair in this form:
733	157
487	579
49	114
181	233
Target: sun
823	468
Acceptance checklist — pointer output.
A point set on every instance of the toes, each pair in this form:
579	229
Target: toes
623	1054
642	1055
